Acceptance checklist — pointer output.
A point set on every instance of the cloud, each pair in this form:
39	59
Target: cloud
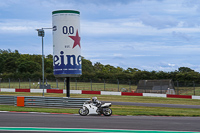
117	55
159	22
181	35
127	46
116	27
195	4
7	3
21	26
103	2
166	64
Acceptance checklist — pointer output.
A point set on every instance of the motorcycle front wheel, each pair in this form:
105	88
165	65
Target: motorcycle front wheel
83	112
107	112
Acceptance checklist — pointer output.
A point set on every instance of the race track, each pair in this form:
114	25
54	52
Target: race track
14	119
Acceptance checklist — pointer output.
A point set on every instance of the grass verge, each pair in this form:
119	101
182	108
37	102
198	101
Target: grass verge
117	110
30	109
137	99
155	111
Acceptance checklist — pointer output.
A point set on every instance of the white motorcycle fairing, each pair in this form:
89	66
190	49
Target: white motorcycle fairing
90	108
106	105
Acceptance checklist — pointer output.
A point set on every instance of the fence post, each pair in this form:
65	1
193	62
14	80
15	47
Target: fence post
104	85
194	87
9	82
76	83
64	82
39	82
46	81
118	84
0	82
177	88
129	86
161	87
29	80
19	83
56	83
91	84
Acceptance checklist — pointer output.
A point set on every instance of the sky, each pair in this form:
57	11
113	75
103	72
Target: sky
151	35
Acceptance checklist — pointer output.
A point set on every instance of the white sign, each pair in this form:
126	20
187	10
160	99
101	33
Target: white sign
66	43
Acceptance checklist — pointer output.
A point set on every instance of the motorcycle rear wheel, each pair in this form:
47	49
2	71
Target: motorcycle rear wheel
107	112
83	112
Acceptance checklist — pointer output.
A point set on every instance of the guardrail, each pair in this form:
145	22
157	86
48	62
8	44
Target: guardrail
28	101
8	100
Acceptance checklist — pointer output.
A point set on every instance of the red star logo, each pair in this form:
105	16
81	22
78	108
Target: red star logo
76	40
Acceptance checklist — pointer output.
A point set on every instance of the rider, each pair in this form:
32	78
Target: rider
96	102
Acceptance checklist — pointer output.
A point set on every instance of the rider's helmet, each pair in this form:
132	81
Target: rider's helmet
94	99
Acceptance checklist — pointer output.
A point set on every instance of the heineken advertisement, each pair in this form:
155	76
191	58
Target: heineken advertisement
66	43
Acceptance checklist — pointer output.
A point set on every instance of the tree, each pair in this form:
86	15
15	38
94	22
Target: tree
110	69
1	64
15	65
119	69
131	70
87	65
185	69
8	59
48	64
10	65
29	66
49	56
98	67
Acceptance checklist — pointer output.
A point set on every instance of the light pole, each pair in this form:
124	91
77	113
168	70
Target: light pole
0	82
41	33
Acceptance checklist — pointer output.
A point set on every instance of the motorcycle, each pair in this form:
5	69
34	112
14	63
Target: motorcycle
90	108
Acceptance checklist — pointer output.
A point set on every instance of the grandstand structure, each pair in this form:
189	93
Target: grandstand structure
156	86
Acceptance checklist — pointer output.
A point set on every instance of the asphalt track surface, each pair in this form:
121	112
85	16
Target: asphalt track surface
154	104
16	119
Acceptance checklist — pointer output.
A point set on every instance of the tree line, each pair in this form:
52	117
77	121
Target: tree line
14	65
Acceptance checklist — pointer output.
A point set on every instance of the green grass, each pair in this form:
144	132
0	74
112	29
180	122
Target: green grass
73	86
154	111
94	87
29	109
117	110
140	99
137	99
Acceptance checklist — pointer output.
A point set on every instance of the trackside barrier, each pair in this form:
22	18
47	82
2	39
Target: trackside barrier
195	97
132	94
98	93
38	90
75	91
20	101
8	100
91	92
54	91
179	96
28	101
110	93
64	102
22	90
7	90
154	95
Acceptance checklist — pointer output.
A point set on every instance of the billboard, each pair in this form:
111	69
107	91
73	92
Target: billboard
66	43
